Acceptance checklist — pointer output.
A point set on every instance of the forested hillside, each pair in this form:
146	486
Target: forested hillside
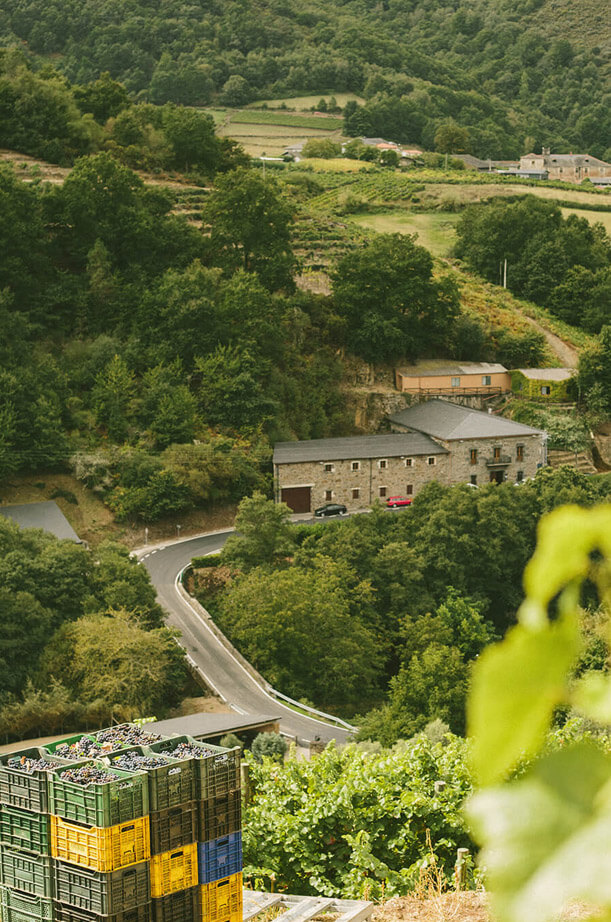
502	70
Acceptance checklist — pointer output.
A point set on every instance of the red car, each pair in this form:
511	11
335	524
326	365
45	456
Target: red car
393	501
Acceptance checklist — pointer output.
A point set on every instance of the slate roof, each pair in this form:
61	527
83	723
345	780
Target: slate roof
547	374
449	421
47	516
392	445
203	725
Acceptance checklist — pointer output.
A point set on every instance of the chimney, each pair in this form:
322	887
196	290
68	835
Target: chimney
545	151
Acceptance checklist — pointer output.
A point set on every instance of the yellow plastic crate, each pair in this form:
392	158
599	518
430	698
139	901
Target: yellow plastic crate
221	901
105	848
174	870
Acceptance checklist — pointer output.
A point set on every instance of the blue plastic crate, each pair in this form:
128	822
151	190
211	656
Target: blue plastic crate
219	858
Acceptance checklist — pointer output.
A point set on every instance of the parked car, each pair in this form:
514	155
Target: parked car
331	509
394	501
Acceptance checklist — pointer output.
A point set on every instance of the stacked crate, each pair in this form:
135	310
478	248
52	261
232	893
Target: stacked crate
100	843
26	866
93	829
219	826
173	830
100	831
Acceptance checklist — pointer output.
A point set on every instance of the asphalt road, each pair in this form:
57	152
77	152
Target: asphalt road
223	673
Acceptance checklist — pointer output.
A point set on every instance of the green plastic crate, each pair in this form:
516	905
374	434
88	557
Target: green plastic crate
169	785
25	830
30	873
137	914
104	894
16	906
217	771
77	757
23	790
127	798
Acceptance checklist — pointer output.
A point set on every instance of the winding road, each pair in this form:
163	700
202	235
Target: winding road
223	672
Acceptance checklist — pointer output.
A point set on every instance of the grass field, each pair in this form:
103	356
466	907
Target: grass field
265	117
436	230
302	103
594	217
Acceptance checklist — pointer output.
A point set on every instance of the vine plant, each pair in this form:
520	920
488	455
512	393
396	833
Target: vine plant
546	831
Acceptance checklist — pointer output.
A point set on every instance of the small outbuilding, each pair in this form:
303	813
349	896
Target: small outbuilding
47	516
447	379
542	383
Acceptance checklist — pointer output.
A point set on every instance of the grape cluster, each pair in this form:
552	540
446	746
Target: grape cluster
84	747
138	762
88	774
125	735
188	751
29	766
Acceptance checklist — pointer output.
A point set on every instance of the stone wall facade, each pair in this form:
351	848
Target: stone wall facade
511	458
361	481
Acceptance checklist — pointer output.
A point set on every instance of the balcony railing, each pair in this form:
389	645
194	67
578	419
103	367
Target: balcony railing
500	461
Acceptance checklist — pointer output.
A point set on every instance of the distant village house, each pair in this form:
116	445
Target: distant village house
567	167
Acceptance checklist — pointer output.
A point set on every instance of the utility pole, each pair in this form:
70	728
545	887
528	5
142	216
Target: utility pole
505	274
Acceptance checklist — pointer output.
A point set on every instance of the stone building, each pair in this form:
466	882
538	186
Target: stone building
567	167
356	471
481	447
434	440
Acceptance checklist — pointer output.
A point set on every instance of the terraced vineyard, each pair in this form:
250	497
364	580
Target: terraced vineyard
382	188
320	242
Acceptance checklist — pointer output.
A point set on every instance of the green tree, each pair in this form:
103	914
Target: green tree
104	98
250	227
111	660
269	745
24	630
298	627
451	138
392	306
112	396
321	147
262	534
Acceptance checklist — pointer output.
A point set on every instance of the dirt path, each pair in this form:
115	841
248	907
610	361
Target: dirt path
568	356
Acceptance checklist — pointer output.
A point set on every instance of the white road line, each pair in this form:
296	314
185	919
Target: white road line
234	707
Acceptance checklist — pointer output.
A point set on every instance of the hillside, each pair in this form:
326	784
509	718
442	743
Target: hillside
506	72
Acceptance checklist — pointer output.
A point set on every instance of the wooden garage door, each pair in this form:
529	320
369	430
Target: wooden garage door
298	498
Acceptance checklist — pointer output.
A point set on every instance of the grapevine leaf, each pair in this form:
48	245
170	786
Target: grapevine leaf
546	836
515	687
565	539
592	696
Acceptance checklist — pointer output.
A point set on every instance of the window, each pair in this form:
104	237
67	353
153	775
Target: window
519	452
455	382
409	489
383	464
328	495
486	380
519	476
356	493
409	462
382	491
473	479
546	390
355	466
473	455
497	453
329	468
431	460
